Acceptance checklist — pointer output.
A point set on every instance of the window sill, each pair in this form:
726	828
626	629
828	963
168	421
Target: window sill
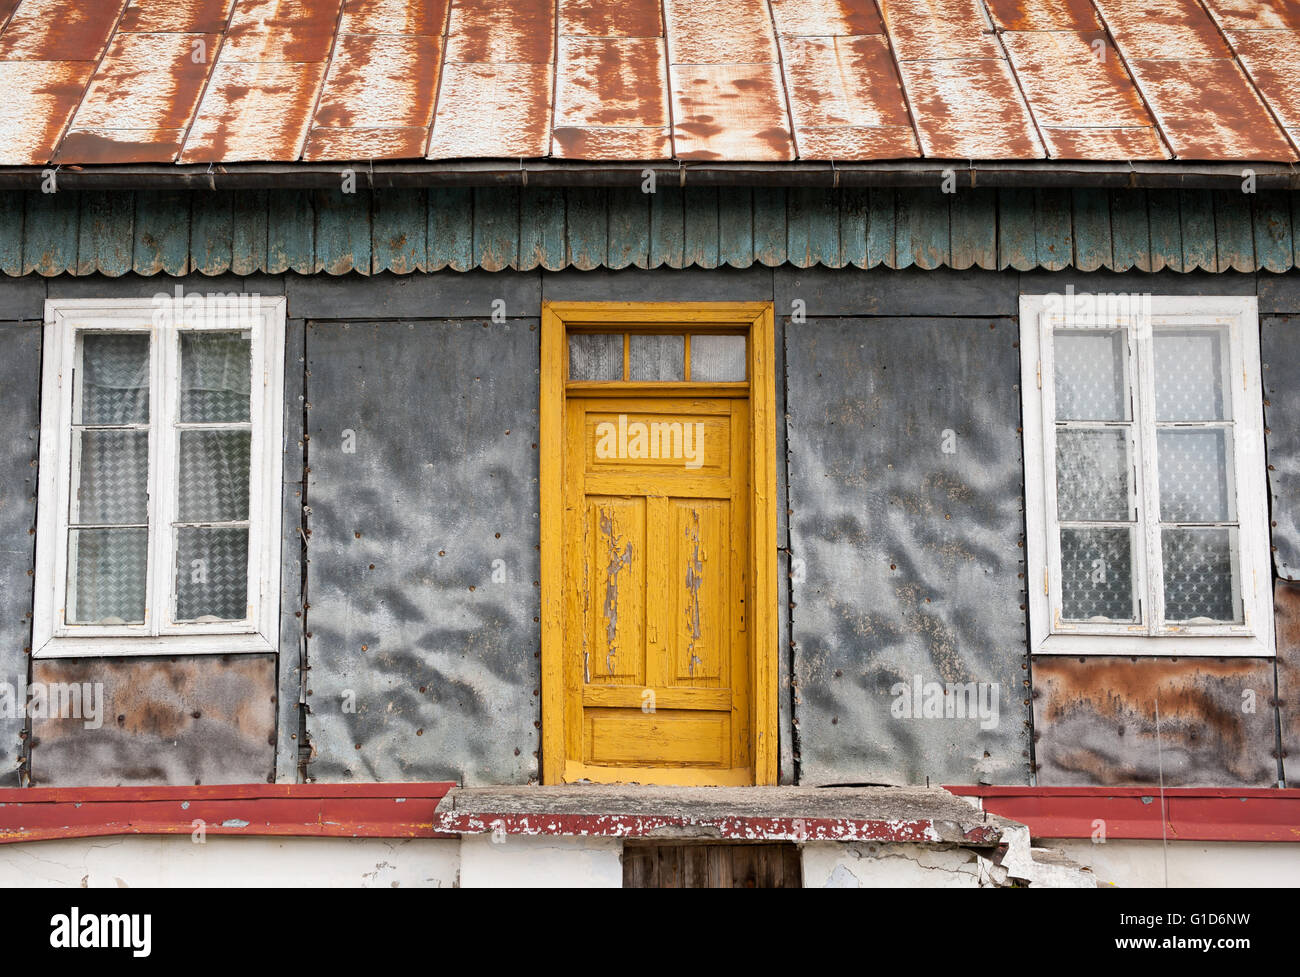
1162	646
165	644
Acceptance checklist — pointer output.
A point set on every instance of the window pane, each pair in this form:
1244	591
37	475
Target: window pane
596	356
211	574
718	359
656	357
1092	476
1198	574
1189	373
1097	575
1193	469
216	368
1090	375
213	472
113	477
114	379
106	576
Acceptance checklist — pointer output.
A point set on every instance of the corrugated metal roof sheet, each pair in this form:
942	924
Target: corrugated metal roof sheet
407	230
722	80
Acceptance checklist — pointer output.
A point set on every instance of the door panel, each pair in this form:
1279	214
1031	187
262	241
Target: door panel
657	526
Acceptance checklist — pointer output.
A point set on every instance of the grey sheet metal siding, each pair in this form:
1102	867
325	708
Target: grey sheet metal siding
405	230
20	369
912	556
1280	353
422	484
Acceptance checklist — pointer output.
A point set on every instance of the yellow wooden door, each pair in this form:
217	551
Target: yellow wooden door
656	554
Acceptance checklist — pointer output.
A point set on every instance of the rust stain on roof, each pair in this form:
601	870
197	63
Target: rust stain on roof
721	32
394	17
492	32
1074	79
176	16
1043	15
599	18
826	18
730	112
928	30
1209	110
196	81
1271	57
970	110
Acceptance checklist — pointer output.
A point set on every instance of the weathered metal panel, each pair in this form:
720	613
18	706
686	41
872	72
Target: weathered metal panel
20	370
905	484
942	292
389	296
1095	722
423	641
1286	600
290	690
1280	354
199	719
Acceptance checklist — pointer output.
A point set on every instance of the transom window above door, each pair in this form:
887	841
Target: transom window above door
158	513
657	357
1146	505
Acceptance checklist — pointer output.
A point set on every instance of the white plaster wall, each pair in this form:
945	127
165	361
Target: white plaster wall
1141	864
224	862
538	862
836	865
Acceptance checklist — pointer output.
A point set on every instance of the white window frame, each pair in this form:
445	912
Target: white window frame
1048	635
258	632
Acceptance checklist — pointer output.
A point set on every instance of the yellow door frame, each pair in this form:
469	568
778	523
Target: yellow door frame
756	319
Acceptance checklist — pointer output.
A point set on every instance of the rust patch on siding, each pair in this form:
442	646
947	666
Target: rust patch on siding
1095	721
206	719
361	143
612	144
120	146
1286	601
148	81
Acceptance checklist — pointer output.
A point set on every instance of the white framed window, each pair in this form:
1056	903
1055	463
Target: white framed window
1145	488
158	514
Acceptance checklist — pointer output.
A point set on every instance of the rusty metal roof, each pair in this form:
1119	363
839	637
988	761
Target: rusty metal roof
227	81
